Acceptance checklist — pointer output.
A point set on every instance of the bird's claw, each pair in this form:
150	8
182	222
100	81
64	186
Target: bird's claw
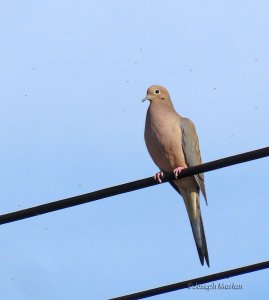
158	177
177	170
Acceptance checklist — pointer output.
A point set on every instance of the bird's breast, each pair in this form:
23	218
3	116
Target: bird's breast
163	138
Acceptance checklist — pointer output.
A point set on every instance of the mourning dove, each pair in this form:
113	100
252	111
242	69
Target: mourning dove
173	145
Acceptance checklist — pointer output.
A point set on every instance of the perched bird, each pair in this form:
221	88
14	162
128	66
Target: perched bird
173	145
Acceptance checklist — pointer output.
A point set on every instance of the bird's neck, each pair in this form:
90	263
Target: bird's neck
166	105
160	112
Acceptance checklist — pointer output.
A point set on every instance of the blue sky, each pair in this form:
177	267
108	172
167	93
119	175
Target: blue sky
73	74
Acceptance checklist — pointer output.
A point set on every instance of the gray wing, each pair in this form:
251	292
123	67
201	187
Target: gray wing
191	150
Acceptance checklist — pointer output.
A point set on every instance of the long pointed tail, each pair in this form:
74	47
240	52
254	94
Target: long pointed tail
193	207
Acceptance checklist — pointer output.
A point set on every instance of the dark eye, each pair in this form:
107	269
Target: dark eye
157	92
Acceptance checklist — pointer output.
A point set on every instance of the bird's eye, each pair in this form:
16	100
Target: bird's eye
157	92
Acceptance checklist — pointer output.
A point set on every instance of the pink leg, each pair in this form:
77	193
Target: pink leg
158	176
177	171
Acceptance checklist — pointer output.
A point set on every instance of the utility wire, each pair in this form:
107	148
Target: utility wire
130	186
192	283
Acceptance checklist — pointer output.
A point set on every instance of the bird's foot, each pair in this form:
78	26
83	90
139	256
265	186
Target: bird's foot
158	176
177	170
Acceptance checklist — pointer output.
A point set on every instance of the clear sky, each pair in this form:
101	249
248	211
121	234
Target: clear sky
73	74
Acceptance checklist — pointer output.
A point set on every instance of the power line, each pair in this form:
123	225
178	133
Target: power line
192	283
130	186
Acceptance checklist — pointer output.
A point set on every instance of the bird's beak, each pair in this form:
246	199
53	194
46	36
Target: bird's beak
145	99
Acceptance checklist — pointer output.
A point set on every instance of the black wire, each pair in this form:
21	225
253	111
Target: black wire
130	186
192	283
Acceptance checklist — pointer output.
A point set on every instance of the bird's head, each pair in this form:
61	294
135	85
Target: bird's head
157	93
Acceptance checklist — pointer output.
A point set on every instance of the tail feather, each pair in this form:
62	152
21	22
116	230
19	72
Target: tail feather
200	240
192	203
194	212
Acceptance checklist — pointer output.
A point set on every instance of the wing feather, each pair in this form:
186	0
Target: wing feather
192	151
